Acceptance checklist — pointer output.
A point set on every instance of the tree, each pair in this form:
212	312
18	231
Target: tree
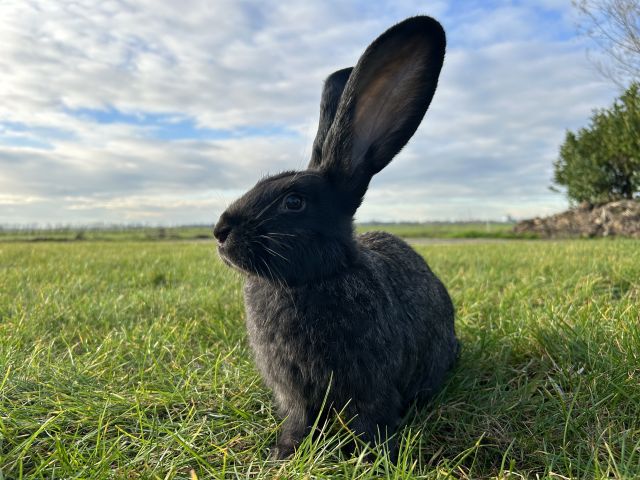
601	163
614	25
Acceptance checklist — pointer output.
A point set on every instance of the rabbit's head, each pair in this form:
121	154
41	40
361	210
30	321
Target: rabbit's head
298	226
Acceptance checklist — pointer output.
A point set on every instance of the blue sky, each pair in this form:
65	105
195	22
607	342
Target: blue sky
162	112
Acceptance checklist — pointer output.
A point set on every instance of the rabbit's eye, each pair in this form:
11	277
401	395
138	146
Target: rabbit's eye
293	202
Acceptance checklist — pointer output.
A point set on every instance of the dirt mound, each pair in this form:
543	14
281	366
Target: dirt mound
621	218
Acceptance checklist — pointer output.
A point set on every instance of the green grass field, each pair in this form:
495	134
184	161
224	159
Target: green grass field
203	232
129	360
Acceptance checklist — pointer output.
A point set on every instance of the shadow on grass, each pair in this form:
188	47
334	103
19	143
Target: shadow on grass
560	403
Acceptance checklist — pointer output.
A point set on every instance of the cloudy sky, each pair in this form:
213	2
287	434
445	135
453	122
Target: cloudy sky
161	112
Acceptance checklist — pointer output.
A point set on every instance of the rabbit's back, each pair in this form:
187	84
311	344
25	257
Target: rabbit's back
423	307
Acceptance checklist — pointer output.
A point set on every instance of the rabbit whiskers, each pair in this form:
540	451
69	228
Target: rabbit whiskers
283	286
277	242
271	251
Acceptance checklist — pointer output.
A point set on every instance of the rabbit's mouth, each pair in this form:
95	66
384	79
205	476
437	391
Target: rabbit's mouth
236	262
252	261
228	259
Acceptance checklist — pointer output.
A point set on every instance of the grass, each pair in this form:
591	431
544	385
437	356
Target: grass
129	360
449	230
105	234
203	232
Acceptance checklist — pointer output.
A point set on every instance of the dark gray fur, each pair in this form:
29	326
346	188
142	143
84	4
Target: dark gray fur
360	317
331	93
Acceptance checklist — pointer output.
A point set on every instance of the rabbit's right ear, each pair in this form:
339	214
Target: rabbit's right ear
331	93
385	98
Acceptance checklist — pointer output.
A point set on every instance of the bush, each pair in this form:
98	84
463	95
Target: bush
601	163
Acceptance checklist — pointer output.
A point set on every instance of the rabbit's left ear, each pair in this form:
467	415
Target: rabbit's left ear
331	93
384	100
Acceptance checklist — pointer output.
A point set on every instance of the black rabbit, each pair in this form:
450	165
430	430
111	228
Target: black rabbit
358	319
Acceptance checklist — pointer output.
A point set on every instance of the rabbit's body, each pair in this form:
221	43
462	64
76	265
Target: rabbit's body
361	327
358	321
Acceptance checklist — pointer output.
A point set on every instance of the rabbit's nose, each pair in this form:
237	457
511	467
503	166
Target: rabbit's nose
226	223
222	230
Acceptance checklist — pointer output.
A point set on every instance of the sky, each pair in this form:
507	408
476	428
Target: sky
162	112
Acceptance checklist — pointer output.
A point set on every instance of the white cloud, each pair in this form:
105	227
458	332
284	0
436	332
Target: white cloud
513	81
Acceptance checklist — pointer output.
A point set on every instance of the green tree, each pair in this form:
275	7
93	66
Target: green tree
601	163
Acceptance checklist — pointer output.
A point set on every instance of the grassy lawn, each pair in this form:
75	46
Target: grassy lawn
200	232
447	230
107	234
129	360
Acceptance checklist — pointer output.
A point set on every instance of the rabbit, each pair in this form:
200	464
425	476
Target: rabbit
357	323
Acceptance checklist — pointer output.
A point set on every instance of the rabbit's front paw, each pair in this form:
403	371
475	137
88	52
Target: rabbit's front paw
281	451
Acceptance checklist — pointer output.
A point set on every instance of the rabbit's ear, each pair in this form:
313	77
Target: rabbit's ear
331	93
385	98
